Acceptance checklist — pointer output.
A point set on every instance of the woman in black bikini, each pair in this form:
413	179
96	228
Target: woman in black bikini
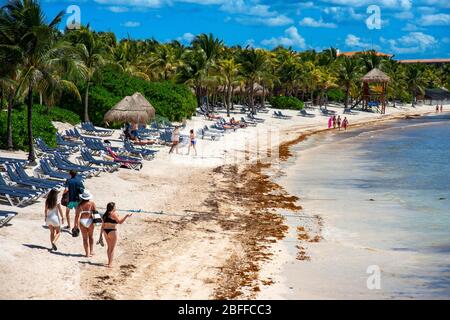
109	227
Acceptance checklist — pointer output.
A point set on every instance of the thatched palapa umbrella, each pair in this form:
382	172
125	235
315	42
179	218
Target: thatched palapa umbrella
134	109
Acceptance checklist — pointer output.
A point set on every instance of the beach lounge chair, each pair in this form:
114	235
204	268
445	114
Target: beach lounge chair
65	164
127	162
32	194
6	217
45	149
12	160
34	183
146	154
90	129
208	134
303	113
45	170
280	115
68	144
251	117
89	160
248	122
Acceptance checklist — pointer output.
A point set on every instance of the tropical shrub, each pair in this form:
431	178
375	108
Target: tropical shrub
57	114
42	127
170	100
336	95
282	102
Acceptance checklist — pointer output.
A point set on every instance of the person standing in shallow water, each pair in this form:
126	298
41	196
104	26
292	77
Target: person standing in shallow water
339	122
345	123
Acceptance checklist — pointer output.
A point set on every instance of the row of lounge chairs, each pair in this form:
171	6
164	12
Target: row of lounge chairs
89	129
18	188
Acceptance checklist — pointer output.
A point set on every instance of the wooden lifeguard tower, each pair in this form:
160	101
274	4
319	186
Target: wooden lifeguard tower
374	90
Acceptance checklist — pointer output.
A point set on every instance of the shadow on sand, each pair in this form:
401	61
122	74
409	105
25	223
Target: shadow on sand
33	246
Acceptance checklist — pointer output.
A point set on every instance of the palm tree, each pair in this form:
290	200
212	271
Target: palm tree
253	63
348	73
229	70
192	72
164	60
11	56
35	38
211	47
90	51
415	80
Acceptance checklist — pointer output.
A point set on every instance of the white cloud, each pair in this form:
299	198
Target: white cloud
440	19
411	27
310	22
117	9
413	42
134	3
342	14
186	38
404	15
355	42
291	39
131	24
277	21
404	4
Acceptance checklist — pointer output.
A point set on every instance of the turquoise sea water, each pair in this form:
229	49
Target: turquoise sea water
384	194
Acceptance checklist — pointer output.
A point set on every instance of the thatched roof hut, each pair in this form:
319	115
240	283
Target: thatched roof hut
376	76
135	109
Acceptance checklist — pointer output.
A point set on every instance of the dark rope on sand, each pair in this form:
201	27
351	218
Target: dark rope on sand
160	213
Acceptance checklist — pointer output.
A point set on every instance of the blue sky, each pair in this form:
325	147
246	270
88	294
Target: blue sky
409	28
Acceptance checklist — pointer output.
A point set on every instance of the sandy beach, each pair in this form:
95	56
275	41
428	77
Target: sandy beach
211	229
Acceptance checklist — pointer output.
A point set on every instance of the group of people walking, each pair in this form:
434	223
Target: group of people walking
439	108
336	122
176	141
76	197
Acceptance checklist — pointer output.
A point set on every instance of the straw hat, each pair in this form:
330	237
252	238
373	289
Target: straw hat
86	195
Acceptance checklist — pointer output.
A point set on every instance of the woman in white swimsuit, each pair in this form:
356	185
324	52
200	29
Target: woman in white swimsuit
52	219
84	220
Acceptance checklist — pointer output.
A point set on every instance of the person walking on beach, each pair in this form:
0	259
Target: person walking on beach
345	123
175	140
330	122
53	212
74	186
437	108
334	122
109	229
442	108
339	122
193	142
84	220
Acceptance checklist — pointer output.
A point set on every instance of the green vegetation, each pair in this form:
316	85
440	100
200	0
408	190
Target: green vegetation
286	103
88	72
42	127
170	100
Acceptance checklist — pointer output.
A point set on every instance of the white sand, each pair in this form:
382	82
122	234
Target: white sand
168	256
